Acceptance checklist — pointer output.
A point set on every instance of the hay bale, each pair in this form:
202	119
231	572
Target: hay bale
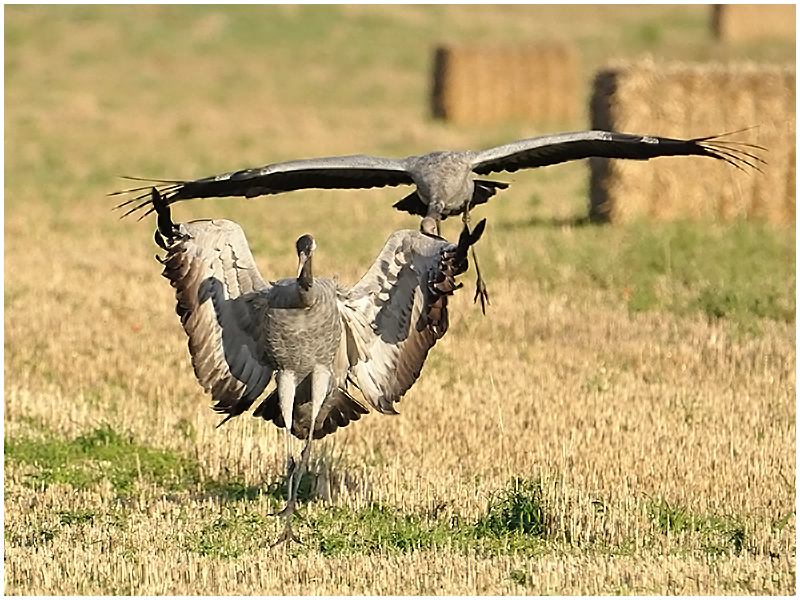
742	22
474	84
684	101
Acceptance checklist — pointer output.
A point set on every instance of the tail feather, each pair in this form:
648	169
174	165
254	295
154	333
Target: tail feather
339	409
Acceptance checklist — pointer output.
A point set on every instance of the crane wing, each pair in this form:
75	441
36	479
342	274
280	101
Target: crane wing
220	295
338	172
398	310
564	147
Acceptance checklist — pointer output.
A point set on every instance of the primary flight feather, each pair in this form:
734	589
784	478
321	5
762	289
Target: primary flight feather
446	181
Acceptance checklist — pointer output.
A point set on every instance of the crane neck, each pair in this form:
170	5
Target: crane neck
305	279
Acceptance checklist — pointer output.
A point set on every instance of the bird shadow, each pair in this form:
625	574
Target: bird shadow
550	223
273	489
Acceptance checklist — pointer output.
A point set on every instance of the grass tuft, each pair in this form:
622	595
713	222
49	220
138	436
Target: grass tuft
519	576
519	509
76	517
514	523
718	535
229	536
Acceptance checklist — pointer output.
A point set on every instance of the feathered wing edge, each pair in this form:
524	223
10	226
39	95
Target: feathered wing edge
398	310
564	147
220	295
336	172
220	299
391	318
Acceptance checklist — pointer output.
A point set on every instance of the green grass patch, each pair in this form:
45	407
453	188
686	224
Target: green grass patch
229	536
105	454
100	454
519	509
514	523
81	516
743	272
720	534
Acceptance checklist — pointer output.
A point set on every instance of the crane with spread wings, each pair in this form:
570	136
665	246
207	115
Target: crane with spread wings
319	339
446	182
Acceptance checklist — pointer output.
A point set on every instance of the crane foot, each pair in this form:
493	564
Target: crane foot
287	536
482	293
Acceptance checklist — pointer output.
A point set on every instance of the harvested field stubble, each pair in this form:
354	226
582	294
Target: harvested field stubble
140	558
671	438
623	420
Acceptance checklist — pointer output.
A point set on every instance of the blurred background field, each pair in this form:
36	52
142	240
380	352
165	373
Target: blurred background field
621	421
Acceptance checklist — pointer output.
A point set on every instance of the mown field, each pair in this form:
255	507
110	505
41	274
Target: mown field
622	420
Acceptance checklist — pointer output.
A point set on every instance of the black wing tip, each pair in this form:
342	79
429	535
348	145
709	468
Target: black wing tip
226	419
478	231
737	153
468	238
143	200
166	230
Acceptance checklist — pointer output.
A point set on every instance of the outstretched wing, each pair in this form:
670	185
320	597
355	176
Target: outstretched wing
220	296
398	310
564	147
346	172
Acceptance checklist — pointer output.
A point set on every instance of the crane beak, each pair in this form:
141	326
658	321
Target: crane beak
303	256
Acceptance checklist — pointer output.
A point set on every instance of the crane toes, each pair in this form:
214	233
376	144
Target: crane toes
482	293
286	536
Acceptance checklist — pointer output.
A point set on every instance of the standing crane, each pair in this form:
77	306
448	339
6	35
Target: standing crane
316	337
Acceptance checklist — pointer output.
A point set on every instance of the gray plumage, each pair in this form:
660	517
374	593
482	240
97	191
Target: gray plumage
318	338
445	181
242	329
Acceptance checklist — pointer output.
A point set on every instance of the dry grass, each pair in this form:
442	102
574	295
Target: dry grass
660	443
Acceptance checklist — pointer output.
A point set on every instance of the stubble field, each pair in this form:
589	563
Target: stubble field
621	421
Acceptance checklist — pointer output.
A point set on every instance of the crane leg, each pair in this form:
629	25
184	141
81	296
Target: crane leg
286	391
320	379
480	286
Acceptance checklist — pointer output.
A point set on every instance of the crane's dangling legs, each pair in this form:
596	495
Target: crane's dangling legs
480	286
